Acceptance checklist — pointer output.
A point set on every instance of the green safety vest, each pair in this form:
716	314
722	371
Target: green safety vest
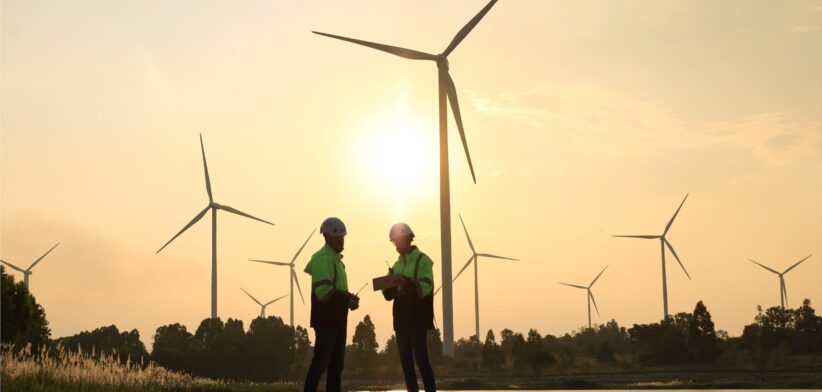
418	267
327	273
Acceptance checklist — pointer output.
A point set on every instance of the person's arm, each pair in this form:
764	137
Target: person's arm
322	280
425	277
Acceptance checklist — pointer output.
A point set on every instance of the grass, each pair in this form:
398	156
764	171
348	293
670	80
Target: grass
25	369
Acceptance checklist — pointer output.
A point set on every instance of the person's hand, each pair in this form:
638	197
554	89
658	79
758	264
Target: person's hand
390	271
353	301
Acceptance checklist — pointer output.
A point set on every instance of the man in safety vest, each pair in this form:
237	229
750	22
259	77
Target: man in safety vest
330	302
413	307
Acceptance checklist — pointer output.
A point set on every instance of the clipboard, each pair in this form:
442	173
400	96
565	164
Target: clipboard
388	281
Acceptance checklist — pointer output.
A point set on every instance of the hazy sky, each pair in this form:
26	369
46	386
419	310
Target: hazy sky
584	120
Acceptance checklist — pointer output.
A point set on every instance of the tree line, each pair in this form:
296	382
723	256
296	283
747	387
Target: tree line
270	350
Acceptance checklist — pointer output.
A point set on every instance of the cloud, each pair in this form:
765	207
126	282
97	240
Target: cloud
772	137
605	121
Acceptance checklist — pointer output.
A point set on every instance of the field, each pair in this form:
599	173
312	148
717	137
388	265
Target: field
61	370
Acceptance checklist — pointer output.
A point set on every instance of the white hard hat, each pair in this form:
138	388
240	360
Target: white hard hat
400	230
333	227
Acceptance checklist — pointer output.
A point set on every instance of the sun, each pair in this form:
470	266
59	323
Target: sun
397	157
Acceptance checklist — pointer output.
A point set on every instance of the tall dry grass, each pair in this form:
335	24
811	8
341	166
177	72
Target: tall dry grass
44	369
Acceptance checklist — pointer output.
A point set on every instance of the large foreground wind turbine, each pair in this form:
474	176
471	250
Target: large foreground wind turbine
293	276
27	272
590	295
213	207
262	305
474	259
663	242
447	93
783	290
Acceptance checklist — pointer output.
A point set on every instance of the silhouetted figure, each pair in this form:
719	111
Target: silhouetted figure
330	302
413	307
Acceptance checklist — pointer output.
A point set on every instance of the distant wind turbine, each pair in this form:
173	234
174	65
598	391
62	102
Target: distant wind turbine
783	290
213	207
474	259
262	305
293	278
590	294
447	93
663	242
27	272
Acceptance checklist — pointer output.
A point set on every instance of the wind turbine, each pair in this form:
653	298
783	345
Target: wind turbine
27	272
213	207
447	93
474	259
590	295
663	242
783	290
293	278
262	305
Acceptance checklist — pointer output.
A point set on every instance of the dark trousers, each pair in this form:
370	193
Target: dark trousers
329	354
412	346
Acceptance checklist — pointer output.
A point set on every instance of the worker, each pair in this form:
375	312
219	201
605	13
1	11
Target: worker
413	308
330	303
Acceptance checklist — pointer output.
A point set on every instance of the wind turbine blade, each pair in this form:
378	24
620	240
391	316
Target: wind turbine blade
471	244
251	296
304	244
49	251
275	300
767	268
671	248
574	285
648	237
193	221
495	256
402	52
12	266
595	279
467	28
205	167
451	90
797	263
590	294
670	222
784	289
297	282
238	212
463	268
271	262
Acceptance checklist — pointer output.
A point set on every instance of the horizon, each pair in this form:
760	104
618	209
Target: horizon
583	122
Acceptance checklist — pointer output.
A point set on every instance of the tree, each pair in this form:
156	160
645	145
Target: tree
171	347
701	339
302	352
605	354
492	355
23	320
538	356
468	353
364	344
434	341
108	340
660	343
270	349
